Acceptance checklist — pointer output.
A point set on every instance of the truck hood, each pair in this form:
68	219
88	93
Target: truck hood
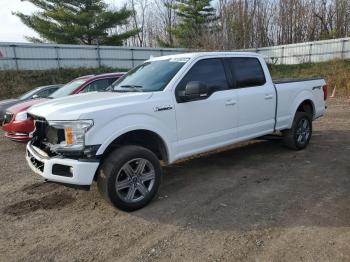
83	106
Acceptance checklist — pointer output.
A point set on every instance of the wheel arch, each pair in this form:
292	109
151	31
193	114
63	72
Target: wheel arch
302	103
307	106
142	137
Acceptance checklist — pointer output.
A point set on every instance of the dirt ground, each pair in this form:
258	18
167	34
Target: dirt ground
255	202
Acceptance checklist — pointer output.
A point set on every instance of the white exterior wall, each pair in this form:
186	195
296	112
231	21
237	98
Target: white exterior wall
26	56
310	52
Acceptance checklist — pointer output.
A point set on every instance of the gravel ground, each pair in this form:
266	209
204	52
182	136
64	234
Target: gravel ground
255	202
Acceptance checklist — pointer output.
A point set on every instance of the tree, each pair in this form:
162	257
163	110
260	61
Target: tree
195	19
77	22
139	19
166	17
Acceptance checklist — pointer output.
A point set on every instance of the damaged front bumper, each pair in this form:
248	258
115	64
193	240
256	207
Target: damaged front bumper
60	169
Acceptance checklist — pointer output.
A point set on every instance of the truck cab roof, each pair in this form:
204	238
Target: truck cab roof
195	55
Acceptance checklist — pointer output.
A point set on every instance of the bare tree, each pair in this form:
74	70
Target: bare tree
167	18
245	23
139	11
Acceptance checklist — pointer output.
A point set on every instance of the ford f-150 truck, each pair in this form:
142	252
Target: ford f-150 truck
166	109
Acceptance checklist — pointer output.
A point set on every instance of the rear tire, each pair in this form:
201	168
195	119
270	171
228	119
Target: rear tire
298	137
129	177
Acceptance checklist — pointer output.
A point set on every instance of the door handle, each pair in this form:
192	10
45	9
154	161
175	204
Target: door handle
267	97
231	102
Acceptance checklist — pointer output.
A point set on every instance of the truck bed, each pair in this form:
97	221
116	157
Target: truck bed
291	92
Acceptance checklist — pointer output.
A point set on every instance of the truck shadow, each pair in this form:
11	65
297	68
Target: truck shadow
259	185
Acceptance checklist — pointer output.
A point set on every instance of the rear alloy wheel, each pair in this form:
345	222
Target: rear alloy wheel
303	132
130	177
298	137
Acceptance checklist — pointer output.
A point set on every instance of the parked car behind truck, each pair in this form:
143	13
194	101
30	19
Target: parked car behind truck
166	109
39	92
18	126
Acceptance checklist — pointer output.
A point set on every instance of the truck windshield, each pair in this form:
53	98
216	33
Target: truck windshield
149	77
67	89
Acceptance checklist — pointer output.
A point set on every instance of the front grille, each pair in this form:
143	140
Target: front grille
44	135
8	117
35	162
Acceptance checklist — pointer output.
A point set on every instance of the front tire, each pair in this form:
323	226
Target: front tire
298	137
129	177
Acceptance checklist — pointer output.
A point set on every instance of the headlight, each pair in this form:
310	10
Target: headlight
21	116
74	134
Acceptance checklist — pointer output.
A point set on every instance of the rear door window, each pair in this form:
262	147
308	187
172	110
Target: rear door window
247	72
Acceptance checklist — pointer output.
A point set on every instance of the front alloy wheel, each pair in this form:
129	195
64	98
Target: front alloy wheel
135	180
129	177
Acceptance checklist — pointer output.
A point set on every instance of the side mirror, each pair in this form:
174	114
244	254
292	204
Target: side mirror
35	96
194	90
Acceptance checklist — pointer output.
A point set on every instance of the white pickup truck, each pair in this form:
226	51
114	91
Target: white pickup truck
165	109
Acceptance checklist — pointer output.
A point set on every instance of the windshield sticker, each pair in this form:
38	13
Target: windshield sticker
179	59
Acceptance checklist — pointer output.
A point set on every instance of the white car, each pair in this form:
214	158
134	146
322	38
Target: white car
167	108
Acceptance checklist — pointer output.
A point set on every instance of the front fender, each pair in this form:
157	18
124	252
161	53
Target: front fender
109	132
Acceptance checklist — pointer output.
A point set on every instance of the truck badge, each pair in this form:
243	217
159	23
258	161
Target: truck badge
162	108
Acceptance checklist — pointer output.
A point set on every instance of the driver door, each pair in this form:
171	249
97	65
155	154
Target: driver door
211	121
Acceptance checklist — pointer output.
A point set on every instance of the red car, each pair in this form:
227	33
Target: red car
18	126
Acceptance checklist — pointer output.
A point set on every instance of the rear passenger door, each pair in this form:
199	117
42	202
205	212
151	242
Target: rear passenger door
256	98
209	122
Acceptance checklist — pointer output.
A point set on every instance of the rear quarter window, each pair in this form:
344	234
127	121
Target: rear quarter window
247	72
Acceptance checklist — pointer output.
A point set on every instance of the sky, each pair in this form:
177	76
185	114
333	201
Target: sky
12	29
